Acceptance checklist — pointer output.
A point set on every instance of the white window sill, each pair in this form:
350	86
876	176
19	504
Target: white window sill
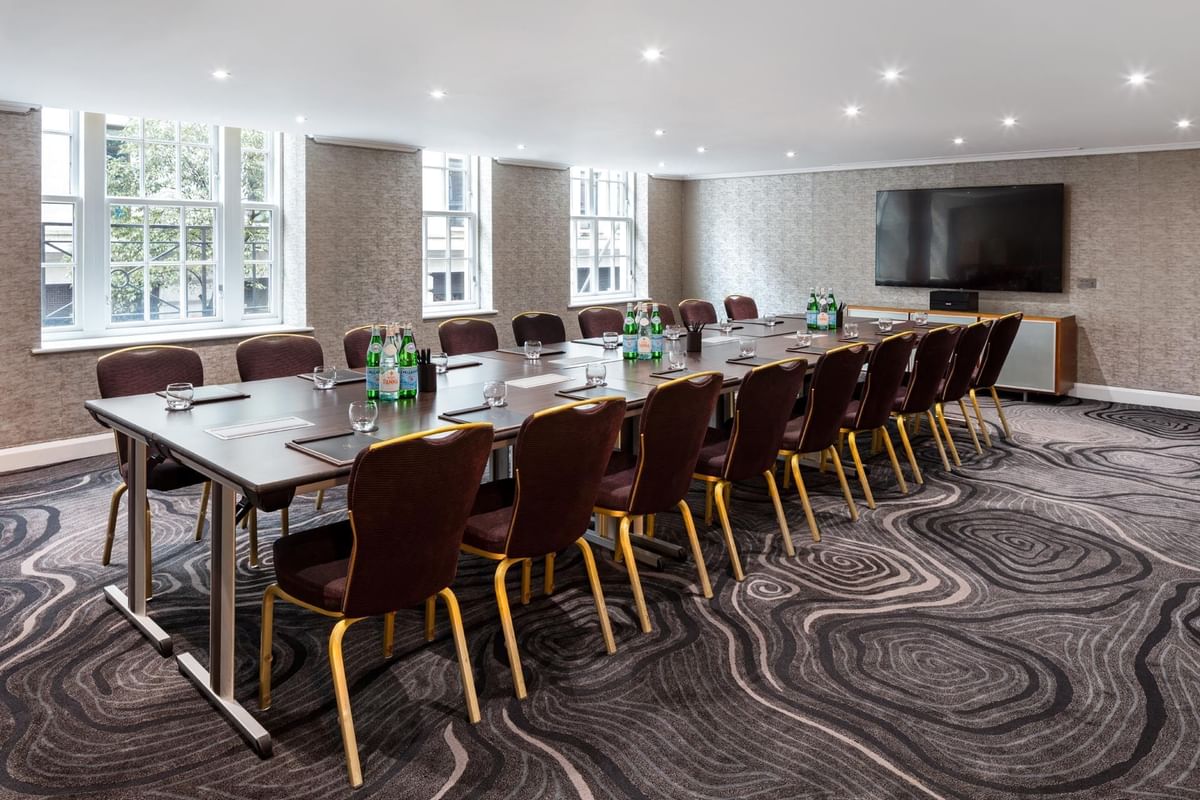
605	301
162	337
462	312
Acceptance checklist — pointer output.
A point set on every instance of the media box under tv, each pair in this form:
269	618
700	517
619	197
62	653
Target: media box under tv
940	300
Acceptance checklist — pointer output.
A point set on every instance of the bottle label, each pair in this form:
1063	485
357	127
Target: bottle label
811	318
630	343
389	383
643	348
823	320
372	380
656	343
407	380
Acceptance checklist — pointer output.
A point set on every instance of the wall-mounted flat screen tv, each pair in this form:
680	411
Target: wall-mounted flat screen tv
1007	238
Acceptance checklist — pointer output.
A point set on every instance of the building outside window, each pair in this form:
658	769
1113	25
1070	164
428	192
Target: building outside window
449	231
601	235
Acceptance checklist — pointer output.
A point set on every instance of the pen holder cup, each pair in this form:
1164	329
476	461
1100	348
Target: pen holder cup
693	341
427	378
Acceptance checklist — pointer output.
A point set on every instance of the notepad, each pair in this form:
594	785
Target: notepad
574	361
212	394
720	339
339	449
538	380
244	429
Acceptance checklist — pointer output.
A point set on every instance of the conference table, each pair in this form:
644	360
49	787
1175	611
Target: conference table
264	469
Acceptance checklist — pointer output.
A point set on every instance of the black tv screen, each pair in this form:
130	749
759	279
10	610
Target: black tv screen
1007	238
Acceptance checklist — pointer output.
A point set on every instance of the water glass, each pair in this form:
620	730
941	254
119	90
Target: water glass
324	377
676	356
770	318
363	414
803	338
179	396
884	325
850	330
533	349
495	393
595	373
747	347
674	333
725	326
440	362
920	318
612	339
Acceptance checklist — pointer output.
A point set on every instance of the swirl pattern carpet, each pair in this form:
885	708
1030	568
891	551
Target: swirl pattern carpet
1028	625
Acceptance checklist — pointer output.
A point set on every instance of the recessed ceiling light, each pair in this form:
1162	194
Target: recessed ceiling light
1137	79
437	94
520	147
790	154
662	163
301	119
891	75
701	149
220	74
959	140
1183	124
852	111
652	54
1008	122
659	132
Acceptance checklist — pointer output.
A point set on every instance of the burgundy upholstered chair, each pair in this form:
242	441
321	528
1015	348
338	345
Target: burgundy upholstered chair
739	306
816	431
355	343
673	423
749	447
957	382
999	343
665	313
931	362
871	412
541	326
558	461
466	335
142	370
697	312
278	355
596	320
398	549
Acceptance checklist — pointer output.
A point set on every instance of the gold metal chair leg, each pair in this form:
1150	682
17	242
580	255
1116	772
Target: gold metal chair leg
589	563
526	581
773	490
320	498
265	658
510	638
970	428
548	582
697	555
283	521
800	487
389	633
987	437
464	658
635	581
430	618
941	416
841	474
787	475
649	531
916	431
908	451
862	473
824	460
937	439
253	517
876	445
342	695
111	533
203	510
721	491
891	451
1000	411
708	503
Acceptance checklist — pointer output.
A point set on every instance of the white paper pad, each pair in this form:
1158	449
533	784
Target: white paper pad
244	429
574	361
538	380
721	339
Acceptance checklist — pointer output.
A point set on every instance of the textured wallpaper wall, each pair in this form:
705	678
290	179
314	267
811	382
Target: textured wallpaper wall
1133	224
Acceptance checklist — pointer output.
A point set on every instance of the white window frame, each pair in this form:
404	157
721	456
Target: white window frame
628	291
76	202
92	231
472	300
271	202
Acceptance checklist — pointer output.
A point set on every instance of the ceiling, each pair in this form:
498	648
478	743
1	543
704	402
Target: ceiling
749	80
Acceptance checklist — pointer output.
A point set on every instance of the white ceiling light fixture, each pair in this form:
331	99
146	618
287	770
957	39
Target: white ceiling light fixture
300	118
701	149
659	132
221	74
852	111
1009	121
520	147
1183	124
652	54
1137	79
437	94
790	154
959	140
662	164
891	75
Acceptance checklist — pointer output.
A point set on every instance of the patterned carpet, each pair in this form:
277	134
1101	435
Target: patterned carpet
1029	625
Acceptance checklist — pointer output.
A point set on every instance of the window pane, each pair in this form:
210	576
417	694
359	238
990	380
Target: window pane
257	288
460	237
253	139
201	290
195	172
256	235
123	167
160	171
58	233
195	133
164	235
56	163
432	158
164	291
120	125
434	189
435	237
126	234
56	119
160	129
199	234
125	293
58	264
254	176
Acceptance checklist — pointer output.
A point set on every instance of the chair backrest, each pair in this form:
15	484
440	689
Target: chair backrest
665	313
967	353
697	312
885	371
596	320
355	343
409	499
739	306
277	355
466	335
674	421
931	364
541	326
829	392
141	370
999	343
764	404
559	459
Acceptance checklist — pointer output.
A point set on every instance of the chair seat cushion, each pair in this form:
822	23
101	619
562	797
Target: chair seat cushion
712	453
617	484
313	565
491	516
165	475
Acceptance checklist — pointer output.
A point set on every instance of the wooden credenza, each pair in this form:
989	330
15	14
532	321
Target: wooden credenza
1042	357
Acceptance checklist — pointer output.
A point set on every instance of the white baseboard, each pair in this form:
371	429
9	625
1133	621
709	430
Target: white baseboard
1137	397
42	454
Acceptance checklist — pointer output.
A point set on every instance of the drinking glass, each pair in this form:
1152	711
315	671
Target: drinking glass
595	373
324	377
496	392
803	338
850	330
769	318
673	332
725	326
533	349
363	414
676	355
440	362
179	396
611	340
884	325
747	347
920	318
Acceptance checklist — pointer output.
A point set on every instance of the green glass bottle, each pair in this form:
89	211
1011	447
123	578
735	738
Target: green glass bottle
810	315
389	369
374	355
657	333
408	365
630	333
833	309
